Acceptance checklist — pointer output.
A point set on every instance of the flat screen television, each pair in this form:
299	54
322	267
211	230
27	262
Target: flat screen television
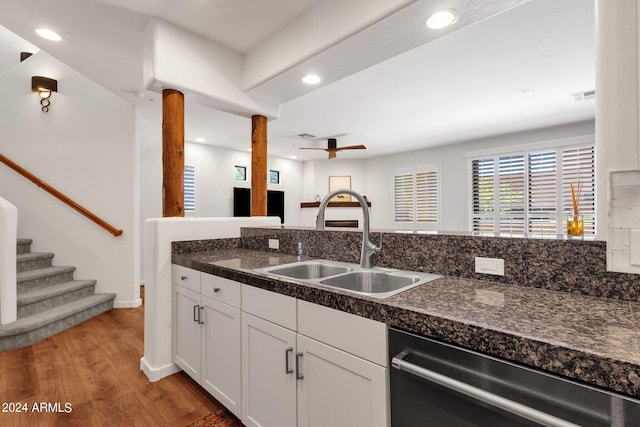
242	203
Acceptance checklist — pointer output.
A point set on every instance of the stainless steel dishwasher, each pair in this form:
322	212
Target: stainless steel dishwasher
437	384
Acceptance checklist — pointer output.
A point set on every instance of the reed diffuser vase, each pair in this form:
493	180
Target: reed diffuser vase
575	226
575	222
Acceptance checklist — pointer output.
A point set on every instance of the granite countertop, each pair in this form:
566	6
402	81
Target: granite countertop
593	340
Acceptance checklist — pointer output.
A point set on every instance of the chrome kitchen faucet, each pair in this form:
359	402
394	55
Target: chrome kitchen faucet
369	250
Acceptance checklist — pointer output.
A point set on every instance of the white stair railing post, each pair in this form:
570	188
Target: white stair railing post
8	244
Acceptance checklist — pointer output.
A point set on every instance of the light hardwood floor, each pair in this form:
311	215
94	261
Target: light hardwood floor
95	367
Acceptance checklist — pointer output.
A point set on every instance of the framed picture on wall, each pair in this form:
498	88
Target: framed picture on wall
240	173
274	177
340	183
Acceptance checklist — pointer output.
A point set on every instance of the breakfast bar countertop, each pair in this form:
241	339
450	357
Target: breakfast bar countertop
593	340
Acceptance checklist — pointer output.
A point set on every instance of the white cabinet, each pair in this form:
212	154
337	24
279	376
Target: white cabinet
186	331
339	389
268	358
207	333
328	366
268	374
275	361
344	369
220	344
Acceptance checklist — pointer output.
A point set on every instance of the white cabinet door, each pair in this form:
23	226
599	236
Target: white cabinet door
268	374
339	389
221	353
186	331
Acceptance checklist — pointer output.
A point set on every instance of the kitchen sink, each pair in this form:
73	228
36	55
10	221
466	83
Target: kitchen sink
375	282
308	270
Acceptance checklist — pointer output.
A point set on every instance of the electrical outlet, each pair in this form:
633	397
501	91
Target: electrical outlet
274	244
493	266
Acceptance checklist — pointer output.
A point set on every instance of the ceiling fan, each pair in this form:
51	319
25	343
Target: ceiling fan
332	147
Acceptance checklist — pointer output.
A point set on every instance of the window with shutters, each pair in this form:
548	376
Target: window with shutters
417	198
529	193
189	189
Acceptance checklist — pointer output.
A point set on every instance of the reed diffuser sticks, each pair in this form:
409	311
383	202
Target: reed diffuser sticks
575	198
575	223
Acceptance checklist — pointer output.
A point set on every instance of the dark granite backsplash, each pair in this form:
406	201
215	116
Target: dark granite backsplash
564	265
187	246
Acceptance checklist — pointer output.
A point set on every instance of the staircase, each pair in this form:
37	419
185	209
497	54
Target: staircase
49	299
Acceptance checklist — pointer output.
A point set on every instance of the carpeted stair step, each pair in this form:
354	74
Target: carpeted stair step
24	246
34	261
31	329
28	280
40	299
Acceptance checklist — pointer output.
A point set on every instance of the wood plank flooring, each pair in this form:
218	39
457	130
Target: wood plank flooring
89	375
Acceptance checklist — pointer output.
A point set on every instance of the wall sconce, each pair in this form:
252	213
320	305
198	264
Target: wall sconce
45	87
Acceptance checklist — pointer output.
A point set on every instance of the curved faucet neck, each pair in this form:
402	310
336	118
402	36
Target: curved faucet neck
327	199
369	250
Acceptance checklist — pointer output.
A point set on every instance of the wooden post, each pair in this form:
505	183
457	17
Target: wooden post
258	166
172	153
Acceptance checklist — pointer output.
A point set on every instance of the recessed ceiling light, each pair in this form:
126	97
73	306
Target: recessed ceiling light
523	91
48	34
311	79
442	18
294	157
201	140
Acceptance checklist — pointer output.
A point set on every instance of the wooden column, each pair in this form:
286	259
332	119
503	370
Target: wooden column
172	153
258	166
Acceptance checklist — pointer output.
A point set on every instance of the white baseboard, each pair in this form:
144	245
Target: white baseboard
156	374
128	304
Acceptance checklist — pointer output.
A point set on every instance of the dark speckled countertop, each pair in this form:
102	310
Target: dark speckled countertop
590	339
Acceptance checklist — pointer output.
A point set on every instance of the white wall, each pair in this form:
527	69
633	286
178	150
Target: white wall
374	177
157	362
214	179
316	183
617	141
85	147
8	238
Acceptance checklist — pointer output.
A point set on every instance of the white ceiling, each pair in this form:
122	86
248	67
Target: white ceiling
461	86
237	24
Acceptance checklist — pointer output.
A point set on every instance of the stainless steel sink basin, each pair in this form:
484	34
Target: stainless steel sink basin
375	282
308	270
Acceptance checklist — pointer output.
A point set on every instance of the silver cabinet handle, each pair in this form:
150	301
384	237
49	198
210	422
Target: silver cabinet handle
196	313
287	368
216	290
500	402
299	375
200	321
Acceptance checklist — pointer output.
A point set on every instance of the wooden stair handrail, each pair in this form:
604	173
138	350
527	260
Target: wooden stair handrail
55	193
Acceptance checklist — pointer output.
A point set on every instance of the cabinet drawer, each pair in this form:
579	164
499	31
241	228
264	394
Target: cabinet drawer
186	277
220	289
276	308
357	335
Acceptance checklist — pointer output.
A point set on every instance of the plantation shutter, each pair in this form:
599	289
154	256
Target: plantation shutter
530	193
416	197
427	196
403	188
483	195
512	180
189	188
578	166
543	193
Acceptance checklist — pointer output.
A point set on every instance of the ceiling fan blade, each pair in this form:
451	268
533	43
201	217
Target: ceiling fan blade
352	147
312	148
332	154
